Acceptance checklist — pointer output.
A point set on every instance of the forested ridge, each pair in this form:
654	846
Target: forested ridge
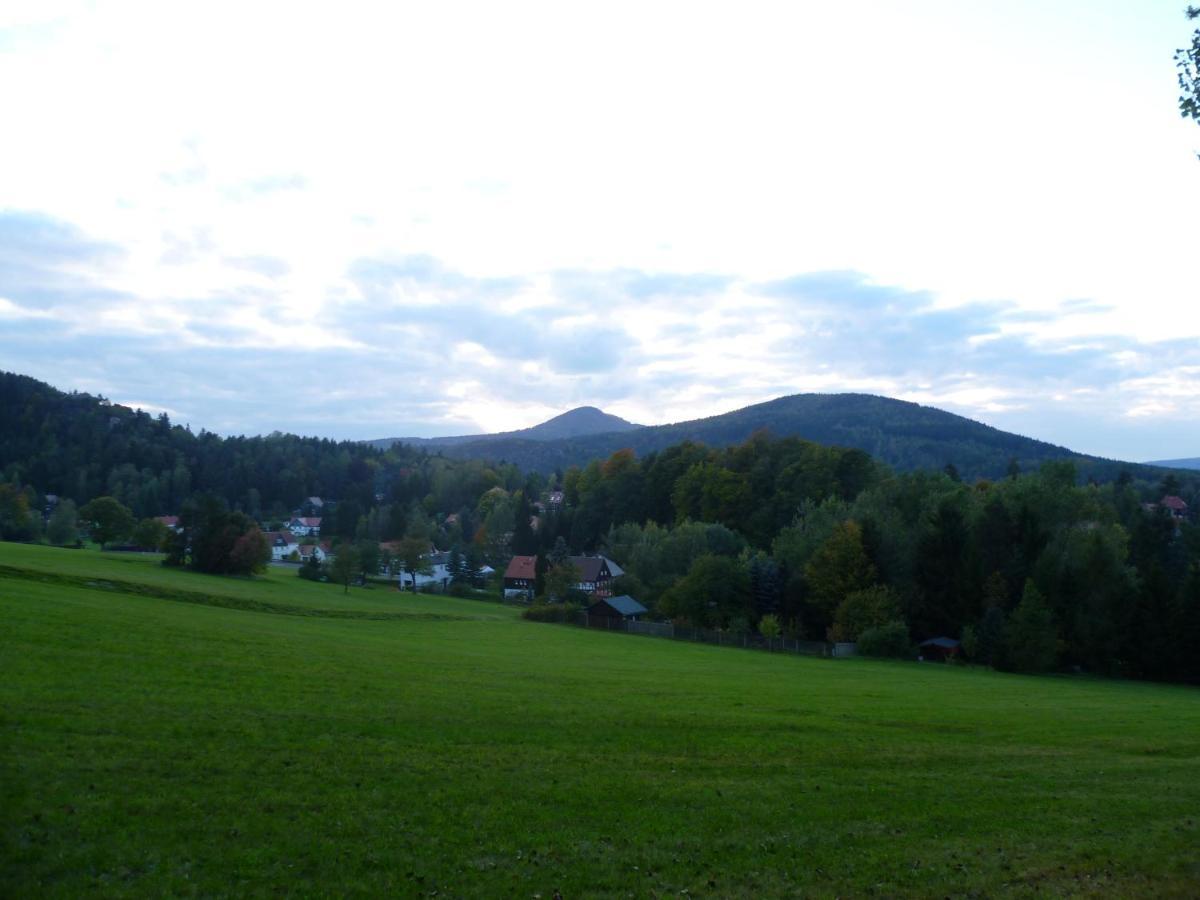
905	435
78	446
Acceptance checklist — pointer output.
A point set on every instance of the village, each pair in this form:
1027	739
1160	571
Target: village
586	580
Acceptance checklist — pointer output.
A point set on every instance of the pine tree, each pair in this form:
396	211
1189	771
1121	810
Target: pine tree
1032	637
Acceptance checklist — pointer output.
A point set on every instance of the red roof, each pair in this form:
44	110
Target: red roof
522	567
169	521
1173	502
309	521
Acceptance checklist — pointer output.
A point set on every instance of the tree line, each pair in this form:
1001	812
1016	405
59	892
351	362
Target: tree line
1035	569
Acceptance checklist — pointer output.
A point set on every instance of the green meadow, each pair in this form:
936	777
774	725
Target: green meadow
164	733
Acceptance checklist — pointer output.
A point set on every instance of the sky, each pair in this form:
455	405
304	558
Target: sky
372	220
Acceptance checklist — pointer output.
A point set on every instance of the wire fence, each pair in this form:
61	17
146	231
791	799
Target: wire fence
744	640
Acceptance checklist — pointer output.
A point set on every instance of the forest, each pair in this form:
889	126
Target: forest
1040	569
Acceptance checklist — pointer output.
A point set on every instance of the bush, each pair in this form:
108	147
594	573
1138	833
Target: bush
890	640
863	610
551	612
311	570
768	626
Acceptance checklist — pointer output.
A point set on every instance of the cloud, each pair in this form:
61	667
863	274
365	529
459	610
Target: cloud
267	266
44	261
268	184
408	344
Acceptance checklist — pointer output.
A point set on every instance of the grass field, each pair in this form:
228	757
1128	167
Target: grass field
260	739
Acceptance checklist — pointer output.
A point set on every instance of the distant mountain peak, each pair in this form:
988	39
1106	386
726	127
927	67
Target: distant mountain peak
582	421
576	422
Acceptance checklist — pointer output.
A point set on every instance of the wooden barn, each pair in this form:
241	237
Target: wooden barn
622	608
942	648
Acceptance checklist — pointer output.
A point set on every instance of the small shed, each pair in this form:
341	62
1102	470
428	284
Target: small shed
939	648
623	607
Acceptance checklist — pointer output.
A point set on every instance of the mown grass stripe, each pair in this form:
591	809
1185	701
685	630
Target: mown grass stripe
221	600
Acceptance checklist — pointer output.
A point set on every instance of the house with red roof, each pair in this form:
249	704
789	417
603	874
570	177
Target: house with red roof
308	551
520	576
1175	506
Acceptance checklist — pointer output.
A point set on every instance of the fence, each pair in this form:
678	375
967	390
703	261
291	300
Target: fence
707	636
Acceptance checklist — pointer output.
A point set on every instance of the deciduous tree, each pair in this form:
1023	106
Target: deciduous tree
344	567
560	580
413	554
838	568
108	520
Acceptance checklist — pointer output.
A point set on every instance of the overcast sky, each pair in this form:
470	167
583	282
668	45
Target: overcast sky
414	219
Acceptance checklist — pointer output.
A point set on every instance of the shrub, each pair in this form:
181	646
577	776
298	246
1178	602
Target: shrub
862	610
970	642
890	640
768	626
739	625
311	570
551	612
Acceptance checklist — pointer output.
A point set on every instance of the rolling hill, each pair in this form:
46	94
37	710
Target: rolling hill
1192	462
904	435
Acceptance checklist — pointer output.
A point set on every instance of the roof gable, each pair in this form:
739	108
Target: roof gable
590	567
522	567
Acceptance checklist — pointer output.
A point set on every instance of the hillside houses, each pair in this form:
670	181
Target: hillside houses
596	574
304	526
521	576
439	576
1176	507
283	544
322	552
1173	506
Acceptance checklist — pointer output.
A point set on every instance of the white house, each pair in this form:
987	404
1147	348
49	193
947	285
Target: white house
282	543
439	577
304	526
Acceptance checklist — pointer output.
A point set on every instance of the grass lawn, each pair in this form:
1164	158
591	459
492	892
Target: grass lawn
156	747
